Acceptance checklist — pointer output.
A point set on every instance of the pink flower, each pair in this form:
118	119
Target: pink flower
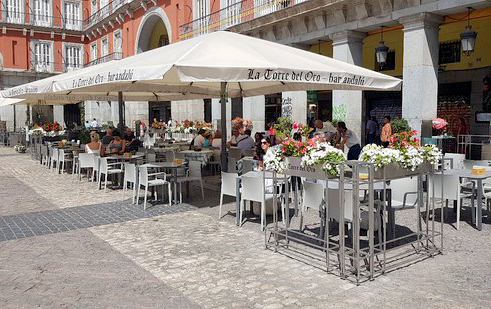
404	144
392	139
271	131
294	126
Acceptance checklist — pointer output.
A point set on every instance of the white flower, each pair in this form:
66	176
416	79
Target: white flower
325	154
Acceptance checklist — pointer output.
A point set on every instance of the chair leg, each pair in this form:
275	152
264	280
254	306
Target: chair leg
459	204
241	207
138	195
220	209
145	198
133	192
170	193
105	182
202	192
125	183
99	182
263	215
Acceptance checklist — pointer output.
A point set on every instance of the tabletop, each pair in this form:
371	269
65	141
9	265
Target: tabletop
465	173
165	165
122	157
203	151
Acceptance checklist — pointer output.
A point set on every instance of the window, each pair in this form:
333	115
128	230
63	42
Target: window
201	10
390	64
118	45
73	57
207	110
15	11
449	52
104	7
232	12
42	13
72	15
104	49
93	6
42	56
93	53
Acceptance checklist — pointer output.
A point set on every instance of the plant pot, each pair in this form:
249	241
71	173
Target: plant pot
393	171
294	167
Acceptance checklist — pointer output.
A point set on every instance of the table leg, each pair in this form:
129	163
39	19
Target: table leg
237	201
479	205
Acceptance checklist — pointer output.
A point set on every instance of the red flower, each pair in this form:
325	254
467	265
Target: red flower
392	139
294	126
271	131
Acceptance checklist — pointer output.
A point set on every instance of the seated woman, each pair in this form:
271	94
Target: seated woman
116	146
217	140
207	142
94	146
265	148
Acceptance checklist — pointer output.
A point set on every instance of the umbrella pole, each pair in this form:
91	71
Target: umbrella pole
120	111
223	123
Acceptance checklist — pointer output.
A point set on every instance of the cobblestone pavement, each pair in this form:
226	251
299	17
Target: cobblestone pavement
121	256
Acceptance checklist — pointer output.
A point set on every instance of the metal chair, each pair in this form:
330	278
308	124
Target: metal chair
229	187
145	179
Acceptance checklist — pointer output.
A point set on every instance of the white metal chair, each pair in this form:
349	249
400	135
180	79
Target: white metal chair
44	155
54	159
231	165
149	180
85	161
404	195
130	177
451	191
107	169
253	189
64	158
235	153
193	174
169	155
454	160
229	187
249	152
97	165
247	166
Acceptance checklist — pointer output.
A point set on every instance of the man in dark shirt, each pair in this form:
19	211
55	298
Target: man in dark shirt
108	137
132	143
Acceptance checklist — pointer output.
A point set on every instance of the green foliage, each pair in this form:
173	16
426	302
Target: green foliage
83	136
283	127
400	125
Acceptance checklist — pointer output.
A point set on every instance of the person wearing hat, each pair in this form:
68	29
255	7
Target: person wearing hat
351	141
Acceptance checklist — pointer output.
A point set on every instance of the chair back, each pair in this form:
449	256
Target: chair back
97	164
44	150
55	154
169	155
61	155
249	152
457	160
247	166
334	204
399	187
235	153
143	178
229	183
151	157
253	188
103	165
86	160
130	172
451	186
194	169
232	165
313	195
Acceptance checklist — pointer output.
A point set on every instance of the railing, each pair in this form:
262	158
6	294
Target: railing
52	67
106	58
104	12
232	15
40	20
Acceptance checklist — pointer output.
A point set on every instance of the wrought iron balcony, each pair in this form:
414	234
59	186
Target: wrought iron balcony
104	12
232	15
52	67
39	20
106	58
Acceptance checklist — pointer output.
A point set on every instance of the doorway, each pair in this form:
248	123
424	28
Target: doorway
160	110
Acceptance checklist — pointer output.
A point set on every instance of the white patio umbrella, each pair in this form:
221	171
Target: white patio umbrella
220	64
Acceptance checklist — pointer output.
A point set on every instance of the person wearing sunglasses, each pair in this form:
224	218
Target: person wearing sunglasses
265	147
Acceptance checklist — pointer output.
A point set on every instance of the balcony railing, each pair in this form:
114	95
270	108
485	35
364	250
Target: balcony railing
52	67
106	58
232	15
40	20
104	12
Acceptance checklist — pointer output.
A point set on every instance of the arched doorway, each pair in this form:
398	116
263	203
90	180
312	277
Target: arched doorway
154	31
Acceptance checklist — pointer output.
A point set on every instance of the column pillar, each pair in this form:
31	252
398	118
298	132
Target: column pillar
298	103
347	104
420	70
58	114
254	110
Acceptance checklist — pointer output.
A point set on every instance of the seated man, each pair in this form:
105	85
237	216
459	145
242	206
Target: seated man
199	139
245	142
132	143
236	137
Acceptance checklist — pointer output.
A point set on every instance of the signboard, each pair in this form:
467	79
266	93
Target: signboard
286	107
294	167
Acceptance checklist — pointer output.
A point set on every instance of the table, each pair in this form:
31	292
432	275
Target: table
123	158
462	173
201	156
172	166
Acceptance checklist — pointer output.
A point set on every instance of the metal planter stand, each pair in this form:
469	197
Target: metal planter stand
358	258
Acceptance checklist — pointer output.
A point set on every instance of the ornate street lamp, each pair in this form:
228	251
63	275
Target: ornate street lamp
468	37
382	50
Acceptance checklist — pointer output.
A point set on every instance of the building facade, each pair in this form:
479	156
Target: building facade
39	38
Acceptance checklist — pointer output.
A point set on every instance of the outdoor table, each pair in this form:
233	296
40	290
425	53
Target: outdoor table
172	166
123	158
463	173
201	156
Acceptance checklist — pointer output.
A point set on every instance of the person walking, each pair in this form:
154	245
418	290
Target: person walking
351	141
371	129
386	132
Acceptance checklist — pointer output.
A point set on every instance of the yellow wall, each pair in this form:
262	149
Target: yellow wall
449	31
158	30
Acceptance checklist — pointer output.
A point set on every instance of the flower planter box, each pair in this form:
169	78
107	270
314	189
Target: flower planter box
294	167
393	171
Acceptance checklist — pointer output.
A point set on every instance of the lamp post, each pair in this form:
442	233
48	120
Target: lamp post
468	37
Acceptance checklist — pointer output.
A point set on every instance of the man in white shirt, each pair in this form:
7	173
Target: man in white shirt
245	142
236	137
350	140
94	123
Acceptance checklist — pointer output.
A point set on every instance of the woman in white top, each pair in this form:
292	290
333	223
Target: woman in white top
94	146
217	140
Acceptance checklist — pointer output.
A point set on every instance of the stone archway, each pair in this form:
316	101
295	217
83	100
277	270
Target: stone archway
154	30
